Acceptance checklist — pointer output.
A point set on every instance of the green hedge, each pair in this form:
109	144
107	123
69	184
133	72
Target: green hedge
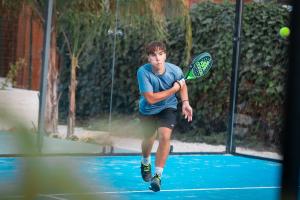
261	74
262	70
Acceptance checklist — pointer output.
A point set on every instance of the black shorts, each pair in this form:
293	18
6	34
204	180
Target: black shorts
165	118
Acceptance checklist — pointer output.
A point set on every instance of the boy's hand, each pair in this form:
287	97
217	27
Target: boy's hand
179	84
187	111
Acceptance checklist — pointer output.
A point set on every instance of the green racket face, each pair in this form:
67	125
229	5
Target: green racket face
200	66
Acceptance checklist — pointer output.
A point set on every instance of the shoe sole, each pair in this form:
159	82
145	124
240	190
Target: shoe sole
154	187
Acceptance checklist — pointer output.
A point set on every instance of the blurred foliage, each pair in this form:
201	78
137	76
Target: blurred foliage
262	71
13	73
10	5
36	176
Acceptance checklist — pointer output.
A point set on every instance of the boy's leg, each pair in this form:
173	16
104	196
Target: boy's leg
147	144
167	121
148	130
164	135
149	135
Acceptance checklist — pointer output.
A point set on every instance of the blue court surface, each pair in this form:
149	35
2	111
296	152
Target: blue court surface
185	177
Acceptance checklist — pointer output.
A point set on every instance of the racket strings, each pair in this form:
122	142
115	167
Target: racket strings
202	66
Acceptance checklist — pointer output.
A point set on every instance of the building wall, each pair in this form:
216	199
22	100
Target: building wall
8	40
29	46
21	37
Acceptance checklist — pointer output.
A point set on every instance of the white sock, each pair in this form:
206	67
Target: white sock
146	160
159	171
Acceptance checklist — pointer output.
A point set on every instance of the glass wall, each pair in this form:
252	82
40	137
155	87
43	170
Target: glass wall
95	51
262	78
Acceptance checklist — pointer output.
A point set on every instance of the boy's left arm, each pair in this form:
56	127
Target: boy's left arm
187	110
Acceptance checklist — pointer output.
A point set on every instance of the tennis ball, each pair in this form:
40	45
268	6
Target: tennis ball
284	32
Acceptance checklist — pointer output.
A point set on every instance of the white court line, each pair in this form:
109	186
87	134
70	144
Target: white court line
55	196
171	190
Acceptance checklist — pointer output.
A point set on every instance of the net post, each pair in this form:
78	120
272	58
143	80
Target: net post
230	147
44	73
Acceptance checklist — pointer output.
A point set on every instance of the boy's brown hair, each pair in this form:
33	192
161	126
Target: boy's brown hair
154	46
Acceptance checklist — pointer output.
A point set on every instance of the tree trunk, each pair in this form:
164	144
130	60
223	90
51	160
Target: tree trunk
52	98
72	93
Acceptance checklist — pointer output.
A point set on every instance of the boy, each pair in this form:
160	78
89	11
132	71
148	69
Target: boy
158	82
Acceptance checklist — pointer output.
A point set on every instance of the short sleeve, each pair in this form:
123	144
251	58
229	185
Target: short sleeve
178	72
144	81
181	76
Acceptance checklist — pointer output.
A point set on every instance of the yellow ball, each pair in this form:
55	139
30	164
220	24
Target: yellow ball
284	32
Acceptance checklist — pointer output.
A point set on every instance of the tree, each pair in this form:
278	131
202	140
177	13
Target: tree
79	30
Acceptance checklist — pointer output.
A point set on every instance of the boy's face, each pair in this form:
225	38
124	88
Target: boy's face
157	58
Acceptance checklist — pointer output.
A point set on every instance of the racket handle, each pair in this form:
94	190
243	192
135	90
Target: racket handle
181	81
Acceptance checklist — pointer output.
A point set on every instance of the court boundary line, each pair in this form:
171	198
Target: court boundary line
195	189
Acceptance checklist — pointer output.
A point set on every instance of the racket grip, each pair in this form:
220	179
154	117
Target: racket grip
181	82
178	84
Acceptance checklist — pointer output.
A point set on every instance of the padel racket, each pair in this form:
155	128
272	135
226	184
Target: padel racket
199	66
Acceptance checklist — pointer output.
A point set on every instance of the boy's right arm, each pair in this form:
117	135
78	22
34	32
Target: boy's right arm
154	97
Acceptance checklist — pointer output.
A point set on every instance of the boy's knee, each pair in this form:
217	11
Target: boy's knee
164	138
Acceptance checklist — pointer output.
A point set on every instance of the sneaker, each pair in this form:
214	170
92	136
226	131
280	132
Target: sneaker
155	183
146	172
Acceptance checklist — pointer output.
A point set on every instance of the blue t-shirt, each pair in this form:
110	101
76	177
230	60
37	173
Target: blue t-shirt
150	82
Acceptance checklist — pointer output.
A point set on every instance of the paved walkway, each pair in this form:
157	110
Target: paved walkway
11	143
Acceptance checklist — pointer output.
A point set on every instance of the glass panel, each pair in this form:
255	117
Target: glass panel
259	119
117	52
98	56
